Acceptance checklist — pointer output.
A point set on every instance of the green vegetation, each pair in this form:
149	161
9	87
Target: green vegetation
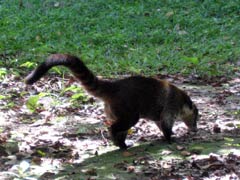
78	96
132	36
54	131
32	103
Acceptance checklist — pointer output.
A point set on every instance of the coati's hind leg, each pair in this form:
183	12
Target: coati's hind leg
118	133
123	120
165	124
119	129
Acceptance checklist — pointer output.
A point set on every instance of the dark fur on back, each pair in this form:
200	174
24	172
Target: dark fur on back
127	100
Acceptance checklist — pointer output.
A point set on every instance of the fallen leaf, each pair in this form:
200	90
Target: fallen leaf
130	131
180	148
127	154
216	165
37	160
196	150
47	176
166	152
230	125
185	153
91	172
130	169
121	165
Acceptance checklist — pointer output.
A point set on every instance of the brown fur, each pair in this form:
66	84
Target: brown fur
129	99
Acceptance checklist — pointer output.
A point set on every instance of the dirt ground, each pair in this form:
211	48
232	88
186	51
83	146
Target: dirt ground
35	145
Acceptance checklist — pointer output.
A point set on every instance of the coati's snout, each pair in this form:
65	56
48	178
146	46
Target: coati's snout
190	117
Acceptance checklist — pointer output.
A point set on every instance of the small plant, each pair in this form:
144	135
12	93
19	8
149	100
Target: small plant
32	103
78	95
27	64
3	72
2	97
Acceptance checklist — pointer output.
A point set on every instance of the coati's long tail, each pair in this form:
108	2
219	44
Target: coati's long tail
90	82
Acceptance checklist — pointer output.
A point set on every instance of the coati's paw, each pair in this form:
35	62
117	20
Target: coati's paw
123	146
169	140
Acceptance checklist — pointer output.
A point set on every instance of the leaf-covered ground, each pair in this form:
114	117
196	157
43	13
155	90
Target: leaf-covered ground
63	139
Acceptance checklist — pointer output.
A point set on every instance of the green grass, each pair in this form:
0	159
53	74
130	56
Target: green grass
134	36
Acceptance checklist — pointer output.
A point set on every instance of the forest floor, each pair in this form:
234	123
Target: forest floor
53	130
63	139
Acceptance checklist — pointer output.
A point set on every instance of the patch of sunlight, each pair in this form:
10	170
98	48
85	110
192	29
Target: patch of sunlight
3	121
229	150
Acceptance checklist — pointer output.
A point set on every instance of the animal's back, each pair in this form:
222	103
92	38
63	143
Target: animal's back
143	95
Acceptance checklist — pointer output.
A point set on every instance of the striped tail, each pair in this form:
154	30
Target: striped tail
89	81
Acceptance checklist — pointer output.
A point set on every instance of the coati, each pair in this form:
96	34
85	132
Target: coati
127	100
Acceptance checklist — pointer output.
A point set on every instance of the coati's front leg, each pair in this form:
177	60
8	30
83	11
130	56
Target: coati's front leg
165	124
